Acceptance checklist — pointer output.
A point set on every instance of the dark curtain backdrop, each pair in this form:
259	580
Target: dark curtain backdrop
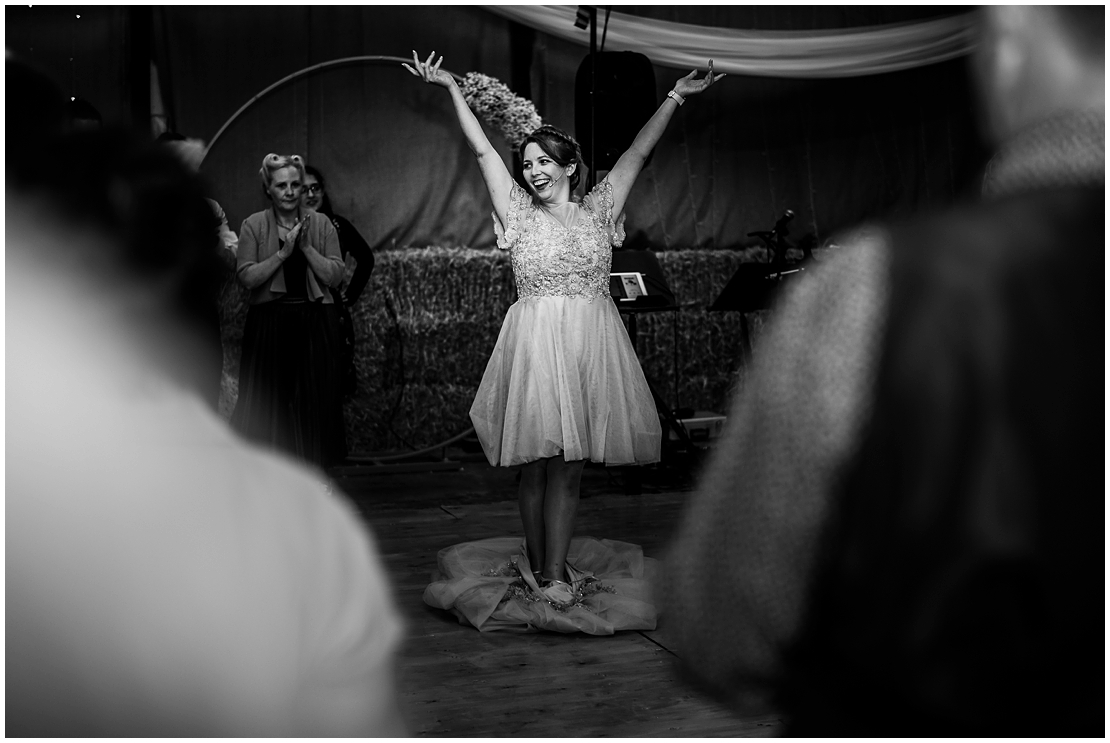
395	162
835	151
86	56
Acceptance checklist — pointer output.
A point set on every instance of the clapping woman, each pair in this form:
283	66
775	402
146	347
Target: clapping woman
289	383
563	384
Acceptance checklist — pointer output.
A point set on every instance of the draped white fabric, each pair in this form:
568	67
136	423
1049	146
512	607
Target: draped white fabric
811	54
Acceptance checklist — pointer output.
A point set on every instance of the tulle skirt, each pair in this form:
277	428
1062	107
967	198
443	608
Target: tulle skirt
564	379
488	584
290	394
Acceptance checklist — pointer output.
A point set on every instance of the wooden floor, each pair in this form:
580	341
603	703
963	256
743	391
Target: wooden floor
458	682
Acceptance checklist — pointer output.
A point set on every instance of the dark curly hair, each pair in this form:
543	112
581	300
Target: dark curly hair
325	203
560	147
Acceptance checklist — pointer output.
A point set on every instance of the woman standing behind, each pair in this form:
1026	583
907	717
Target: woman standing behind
563	385
289	392
315	197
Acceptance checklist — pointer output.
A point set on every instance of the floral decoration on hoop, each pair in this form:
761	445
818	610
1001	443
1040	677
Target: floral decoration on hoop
512	116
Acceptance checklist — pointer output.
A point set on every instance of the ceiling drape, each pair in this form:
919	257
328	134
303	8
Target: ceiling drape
845	52
836	151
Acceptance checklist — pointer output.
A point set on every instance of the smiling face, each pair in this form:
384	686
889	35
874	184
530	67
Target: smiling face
312	195
285	190
548	180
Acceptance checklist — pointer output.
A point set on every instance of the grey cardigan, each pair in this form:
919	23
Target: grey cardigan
258	240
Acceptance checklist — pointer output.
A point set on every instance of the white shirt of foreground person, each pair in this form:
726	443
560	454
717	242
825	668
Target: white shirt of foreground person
164	578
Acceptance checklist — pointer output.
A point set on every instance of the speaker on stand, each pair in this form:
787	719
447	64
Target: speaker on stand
614	96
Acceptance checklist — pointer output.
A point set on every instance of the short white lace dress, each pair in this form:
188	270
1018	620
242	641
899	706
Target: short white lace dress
563	378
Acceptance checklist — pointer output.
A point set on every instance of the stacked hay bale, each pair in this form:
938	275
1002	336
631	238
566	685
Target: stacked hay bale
429	318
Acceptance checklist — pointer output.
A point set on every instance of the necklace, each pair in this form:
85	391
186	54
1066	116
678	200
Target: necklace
284	226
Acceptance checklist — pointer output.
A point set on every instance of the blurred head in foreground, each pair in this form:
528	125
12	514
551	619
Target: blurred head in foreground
163	578
902	530
136	220
1034	62
960	588
1042	82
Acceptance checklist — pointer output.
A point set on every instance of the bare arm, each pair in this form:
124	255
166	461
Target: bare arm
628	167
498	180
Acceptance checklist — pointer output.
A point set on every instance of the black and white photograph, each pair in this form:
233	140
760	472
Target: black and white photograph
555	371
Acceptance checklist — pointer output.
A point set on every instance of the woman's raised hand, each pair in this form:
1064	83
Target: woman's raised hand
688	85
428	72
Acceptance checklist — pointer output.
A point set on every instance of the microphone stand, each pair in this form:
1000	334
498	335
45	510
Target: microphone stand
775	240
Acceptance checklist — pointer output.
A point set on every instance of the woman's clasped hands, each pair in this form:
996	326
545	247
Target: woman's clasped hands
290	241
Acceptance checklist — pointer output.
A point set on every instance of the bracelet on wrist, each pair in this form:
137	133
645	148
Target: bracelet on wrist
677	98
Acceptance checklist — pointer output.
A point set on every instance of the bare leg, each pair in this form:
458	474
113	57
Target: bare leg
564	480
533	486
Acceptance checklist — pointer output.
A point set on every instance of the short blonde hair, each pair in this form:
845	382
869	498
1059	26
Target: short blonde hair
273	163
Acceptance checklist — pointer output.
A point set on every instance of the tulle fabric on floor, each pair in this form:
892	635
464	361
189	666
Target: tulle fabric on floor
489	585
564	379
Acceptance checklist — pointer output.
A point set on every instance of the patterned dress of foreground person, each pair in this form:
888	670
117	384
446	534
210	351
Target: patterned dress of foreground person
563	386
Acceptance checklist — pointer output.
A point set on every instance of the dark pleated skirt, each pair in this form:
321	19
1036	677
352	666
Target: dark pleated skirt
290	393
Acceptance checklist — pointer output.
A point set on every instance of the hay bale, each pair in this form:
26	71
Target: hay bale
429	319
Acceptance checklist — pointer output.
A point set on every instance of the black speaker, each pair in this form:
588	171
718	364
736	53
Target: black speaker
625	85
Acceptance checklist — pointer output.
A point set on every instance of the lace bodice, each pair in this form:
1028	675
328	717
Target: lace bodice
552	260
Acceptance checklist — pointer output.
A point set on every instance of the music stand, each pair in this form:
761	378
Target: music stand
659	298
753	287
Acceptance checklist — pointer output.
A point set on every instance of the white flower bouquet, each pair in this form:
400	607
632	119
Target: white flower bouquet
512	116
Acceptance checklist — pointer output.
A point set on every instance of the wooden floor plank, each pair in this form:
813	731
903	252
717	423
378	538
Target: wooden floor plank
458	682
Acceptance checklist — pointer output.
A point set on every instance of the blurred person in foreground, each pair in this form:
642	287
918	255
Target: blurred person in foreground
190	152
902	531
163	577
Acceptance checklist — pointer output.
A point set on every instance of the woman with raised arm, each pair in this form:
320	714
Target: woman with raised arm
563	384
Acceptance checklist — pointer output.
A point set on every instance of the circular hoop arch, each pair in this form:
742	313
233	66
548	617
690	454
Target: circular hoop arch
371	59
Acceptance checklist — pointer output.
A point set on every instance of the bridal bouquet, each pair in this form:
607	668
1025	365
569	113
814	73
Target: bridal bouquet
513	117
